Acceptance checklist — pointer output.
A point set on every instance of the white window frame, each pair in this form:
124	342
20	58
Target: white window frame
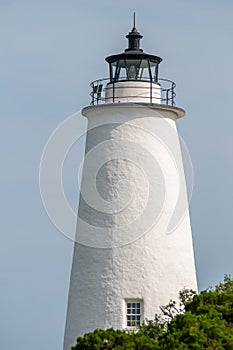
126	314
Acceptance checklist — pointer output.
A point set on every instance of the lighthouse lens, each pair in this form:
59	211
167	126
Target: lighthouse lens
132	67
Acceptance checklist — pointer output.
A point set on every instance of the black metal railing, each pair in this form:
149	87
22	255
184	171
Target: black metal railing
165	89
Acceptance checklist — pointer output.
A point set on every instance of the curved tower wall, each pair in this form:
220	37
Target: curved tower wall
133	91
134	239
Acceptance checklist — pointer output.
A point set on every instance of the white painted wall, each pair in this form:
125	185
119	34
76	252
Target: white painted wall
133	91
133	193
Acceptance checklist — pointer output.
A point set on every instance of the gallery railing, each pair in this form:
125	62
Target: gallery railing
164	89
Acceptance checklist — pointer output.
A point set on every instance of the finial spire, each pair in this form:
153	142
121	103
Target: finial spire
134	37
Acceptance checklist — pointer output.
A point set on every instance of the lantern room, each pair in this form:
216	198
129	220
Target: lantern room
133	64
133	77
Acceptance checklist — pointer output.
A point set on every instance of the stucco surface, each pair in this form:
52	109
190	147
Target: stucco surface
133	237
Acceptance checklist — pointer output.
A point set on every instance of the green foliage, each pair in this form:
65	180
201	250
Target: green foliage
154	328
115	339
174	308
203	321
207	322
227	286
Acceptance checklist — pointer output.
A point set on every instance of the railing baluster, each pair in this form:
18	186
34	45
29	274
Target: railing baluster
150	91
172	94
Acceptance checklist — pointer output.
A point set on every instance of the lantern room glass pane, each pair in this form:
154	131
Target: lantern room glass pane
121	72
113	66
154	71
144	71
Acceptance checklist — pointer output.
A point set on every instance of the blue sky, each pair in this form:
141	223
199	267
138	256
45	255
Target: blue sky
50	52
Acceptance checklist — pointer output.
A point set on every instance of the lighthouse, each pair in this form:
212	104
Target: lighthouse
133	249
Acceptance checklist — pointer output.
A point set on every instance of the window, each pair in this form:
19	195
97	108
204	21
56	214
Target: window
133	313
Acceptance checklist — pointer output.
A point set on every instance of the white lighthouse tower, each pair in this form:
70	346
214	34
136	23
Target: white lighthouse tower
133	249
